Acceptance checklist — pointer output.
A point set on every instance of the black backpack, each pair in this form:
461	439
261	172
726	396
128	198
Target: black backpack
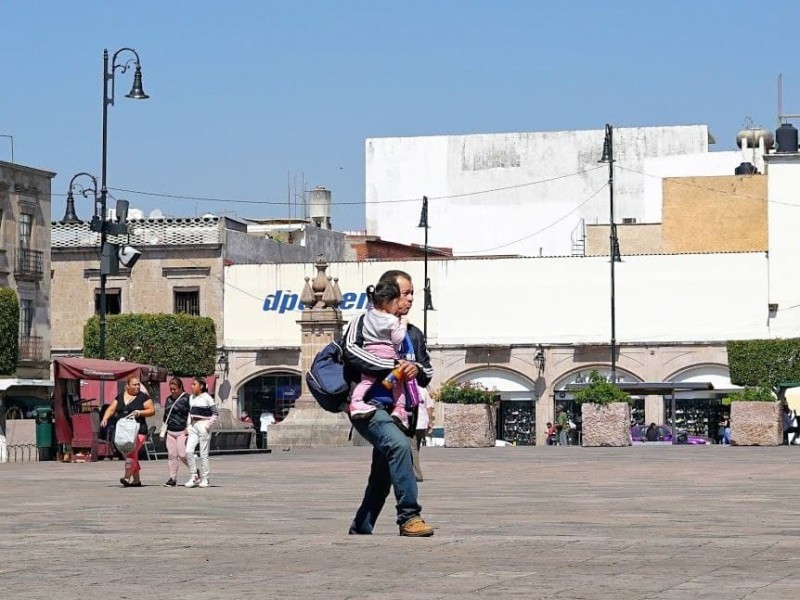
329	378
326	378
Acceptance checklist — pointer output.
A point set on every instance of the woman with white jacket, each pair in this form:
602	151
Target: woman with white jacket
202	415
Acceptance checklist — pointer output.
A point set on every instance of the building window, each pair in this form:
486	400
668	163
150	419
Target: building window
25	317
113	301
187	301
25	226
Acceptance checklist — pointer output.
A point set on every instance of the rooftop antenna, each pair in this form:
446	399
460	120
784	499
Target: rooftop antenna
781	116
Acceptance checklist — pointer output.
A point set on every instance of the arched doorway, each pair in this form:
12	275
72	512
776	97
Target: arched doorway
565	398
516	415
702	412
269	397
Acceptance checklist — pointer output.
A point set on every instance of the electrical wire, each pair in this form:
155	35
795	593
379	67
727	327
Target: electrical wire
681	180
344	203
537	232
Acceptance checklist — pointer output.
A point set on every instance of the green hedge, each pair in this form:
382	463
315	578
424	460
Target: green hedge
9	331
182	344
764	363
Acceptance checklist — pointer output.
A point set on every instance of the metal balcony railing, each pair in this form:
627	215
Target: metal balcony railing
30	264
31	348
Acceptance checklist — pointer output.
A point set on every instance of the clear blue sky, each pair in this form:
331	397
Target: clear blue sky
248	94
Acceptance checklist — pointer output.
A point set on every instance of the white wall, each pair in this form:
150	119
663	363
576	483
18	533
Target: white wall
783	183
525	208
689	165
665	298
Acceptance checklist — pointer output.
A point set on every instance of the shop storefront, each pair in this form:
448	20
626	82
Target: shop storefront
565	398
516	414
701	412
269	397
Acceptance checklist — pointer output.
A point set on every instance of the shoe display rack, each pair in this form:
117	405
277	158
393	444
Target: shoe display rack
516	422
697	417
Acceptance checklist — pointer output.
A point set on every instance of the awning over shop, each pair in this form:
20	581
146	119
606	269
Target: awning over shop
9	382
643	388
91	369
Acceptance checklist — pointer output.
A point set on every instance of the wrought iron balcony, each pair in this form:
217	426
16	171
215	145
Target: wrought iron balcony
30	264
31	348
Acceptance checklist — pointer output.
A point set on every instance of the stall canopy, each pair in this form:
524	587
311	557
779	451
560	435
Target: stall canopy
92	369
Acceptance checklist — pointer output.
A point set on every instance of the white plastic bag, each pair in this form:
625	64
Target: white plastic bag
125	435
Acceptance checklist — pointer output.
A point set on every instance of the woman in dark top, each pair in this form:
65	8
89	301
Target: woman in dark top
176	413
132	401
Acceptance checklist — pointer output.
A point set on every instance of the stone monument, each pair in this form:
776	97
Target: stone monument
307	425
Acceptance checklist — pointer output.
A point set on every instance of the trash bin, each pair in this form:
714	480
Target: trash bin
44	433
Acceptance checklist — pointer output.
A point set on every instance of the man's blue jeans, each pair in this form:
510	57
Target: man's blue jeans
391	466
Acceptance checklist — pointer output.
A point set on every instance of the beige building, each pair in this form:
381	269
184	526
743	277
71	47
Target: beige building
699	214
180	269
25	268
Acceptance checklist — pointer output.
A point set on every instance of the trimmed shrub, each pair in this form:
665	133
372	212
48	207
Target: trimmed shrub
764	363
184	345
9	331
751	394
601	391
464	393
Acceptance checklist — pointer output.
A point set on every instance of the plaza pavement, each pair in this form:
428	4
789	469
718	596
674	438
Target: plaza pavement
644	523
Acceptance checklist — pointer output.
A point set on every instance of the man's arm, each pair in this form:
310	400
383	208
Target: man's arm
423	359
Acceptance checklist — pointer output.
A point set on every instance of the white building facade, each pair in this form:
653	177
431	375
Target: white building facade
526	193
674	312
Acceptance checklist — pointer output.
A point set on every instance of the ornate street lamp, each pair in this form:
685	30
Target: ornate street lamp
136	93
539	359
222	362
613	252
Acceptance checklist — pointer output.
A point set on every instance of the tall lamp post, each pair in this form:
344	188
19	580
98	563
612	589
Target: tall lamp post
428	301
136	93
613	251
109	258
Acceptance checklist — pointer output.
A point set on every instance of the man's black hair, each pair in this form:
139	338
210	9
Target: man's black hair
394	274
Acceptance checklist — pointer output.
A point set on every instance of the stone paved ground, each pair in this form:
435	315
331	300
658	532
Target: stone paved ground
643	523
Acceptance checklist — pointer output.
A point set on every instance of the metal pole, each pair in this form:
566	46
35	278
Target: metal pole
103	195
611	253
427	291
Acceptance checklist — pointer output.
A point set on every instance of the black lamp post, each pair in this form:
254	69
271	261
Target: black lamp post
428	301
136	93
70	215
613	252
110	255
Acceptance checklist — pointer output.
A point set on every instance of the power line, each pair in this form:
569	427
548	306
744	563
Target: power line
535	233
343	203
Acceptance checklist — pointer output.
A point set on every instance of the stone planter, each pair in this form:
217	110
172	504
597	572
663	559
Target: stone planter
756	424
469	426
606	424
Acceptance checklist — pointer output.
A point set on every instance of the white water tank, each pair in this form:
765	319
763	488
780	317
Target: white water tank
319	207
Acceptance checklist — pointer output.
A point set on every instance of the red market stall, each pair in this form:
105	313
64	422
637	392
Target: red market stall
75	428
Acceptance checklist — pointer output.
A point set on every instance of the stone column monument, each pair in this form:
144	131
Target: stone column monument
307	425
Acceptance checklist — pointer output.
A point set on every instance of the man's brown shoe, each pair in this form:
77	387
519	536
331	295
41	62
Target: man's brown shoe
416	527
